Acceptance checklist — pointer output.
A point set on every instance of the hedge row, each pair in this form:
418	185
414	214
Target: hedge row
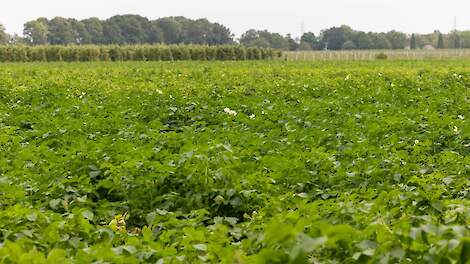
134	53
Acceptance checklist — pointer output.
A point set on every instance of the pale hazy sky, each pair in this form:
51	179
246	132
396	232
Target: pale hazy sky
279	16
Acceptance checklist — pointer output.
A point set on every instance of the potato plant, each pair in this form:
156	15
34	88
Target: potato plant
235	162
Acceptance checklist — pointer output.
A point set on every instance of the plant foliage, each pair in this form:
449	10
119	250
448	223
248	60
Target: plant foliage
235	162
134	53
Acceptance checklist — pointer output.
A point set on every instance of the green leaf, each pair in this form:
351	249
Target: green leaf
88	215
200	247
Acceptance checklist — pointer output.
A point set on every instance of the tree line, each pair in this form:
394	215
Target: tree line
136	29
123	30
346	38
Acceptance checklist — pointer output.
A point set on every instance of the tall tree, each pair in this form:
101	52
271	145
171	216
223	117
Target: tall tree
423	40
195	31
80	32
61	32
260	43
36	32
380	41
130	28
219	34
135	29
440	41
276	40
3	35
293	45
248	37
456	40
155	33
308	41
148	29
363	41
172	30
464	37
263	39
396	39
335	37
112	33
94	28
413	41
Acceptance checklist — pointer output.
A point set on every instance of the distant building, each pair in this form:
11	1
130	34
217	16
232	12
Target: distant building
429	47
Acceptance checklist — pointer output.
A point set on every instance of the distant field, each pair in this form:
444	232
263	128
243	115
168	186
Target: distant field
371	54
235	162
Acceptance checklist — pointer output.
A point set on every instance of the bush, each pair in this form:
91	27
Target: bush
381	56
37	54
198	53
225	53
211	53
166	54
53	53
115	53
90	53
254	54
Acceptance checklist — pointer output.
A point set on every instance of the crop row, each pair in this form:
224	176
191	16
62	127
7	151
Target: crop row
133	53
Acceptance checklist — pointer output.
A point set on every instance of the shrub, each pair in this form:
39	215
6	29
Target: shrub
381	56
53	53
37	53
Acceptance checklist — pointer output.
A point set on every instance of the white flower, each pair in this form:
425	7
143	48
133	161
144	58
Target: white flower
455	129
458	76
230	112
461	117
416	142
159	91
252	116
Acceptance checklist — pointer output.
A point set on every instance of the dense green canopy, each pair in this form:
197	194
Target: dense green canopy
136	29
126	29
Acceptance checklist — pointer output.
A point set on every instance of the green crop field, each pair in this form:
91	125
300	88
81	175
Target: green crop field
235	162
